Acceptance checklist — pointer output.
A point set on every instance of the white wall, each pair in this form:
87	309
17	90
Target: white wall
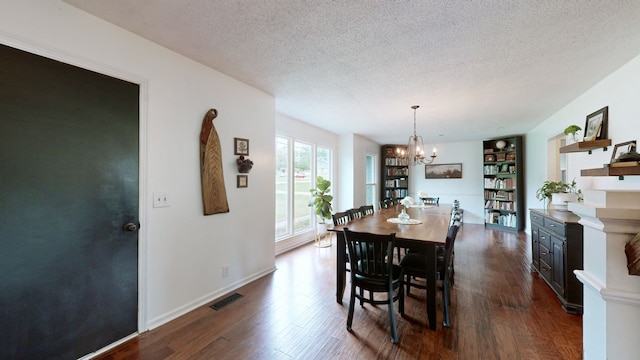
621	92
468	190
182	251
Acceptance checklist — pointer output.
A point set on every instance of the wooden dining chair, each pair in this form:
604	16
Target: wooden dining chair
382	204
372	270
342	218
366	210
355	213
430	201
412	265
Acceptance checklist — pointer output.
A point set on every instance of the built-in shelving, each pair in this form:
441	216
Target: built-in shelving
395	172
503	183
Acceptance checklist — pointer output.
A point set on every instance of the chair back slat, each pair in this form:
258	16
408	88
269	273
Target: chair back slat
340	218
371	255
366	209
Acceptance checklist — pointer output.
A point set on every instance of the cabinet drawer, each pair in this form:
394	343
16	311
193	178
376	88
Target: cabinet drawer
545	255
545	271
555	227
537	219
544	238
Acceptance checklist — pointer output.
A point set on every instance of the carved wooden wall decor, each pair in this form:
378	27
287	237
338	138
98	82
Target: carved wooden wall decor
214	195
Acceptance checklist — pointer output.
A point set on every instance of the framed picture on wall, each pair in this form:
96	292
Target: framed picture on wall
243	181
241	146
443	171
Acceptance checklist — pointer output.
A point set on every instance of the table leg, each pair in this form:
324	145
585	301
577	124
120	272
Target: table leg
432	286
341	278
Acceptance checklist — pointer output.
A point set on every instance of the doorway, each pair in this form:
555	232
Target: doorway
69	190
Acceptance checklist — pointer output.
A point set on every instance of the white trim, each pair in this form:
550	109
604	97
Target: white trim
176	313
608	294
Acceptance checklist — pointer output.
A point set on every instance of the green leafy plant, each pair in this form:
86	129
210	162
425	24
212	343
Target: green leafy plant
321	200
572	129
550	187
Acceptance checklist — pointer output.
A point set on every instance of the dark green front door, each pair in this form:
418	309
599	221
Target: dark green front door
68	185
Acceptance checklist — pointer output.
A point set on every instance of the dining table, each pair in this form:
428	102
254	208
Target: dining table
424	231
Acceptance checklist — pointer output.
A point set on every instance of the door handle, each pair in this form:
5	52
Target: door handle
130	227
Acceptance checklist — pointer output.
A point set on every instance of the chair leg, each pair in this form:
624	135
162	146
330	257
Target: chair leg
401	300
392	319
352	304
408	283
446	300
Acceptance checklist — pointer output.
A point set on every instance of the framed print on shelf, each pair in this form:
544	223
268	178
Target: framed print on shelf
443	171
596	126
620	149
243	181
241	146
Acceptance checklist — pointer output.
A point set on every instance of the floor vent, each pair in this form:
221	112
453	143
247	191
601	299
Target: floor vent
226	301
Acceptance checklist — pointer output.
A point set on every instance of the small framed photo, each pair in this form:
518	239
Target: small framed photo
443	171
620	149
241	146
596	125
243	181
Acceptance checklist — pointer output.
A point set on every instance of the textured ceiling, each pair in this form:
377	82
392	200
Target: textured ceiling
477	68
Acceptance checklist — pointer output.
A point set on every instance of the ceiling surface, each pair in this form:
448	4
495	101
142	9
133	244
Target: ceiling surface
478	69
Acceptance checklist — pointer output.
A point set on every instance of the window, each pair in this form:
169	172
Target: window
370	180
297	165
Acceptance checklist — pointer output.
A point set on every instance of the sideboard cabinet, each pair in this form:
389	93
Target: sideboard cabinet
556	250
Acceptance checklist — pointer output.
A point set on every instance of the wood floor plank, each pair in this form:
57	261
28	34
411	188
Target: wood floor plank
500	310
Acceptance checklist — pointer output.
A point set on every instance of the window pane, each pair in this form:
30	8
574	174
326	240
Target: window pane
370	189
323	163
301	185
282	186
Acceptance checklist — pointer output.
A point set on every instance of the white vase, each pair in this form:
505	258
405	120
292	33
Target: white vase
560	200
321	228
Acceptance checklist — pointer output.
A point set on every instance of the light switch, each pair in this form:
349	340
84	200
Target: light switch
160	199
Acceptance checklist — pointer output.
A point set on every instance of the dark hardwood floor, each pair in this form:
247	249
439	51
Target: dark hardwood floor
500	310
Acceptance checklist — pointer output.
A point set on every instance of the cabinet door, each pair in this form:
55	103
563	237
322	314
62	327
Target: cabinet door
558	265
535	249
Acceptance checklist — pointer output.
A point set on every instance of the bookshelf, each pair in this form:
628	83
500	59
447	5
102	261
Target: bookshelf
395	172
503	183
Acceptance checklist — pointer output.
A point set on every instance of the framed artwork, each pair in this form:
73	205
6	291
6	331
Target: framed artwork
596	125
620	149
241	146
443	171
243	181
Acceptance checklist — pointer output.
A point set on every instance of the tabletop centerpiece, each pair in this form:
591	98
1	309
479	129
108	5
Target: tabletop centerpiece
406	202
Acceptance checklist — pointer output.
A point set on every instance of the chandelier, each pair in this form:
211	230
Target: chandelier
415	153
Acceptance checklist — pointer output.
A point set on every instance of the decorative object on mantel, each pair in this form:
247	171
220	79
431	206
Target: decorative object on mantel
243	181
214	195
596	125
415	154
244	165
559	194
632	250
241	146
572	133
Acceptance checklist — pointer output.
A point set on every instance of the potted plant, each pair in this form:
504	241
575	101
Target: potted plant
559	193
572	133
321	201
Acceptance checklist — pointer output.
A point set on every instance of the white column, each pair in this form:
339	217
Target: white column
611	319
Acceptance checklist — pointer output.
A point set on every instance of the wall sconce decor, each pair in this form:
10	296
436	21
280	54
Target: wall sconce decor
244	165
